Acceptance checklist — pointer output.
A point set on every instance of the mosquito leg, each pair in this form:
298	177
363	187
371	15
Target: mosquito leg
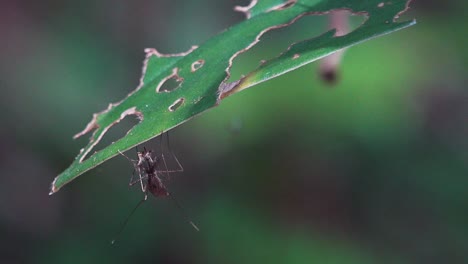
128	218
137	181
179	165
165	170
135	168
140	178
132	161
184	213
143	189
180	169
162	155
165	165
131	178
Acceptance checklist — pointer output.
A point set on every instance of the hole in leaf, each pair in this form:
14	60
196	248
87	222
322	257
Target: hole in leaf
197	65
170	83
276	41
117	131
176	104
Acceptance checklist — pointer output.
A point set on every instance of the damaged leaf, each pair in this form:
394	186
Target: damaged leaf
200	76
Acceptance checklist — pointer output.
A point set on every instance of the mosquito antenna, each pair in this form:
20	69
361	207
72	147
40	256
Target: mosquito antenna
128	218
184	213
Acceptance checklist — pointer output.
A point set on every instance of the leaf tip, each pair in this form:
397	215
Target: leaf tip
53	189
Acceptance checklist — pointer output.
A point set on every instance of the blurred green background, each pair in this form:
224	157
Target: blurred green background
371	170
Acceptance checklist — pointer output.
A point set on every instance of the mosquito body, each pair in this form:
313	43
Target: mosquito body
149	171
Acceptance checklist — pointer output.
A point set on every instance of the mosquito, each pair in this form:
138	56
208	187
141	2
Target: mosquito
148	168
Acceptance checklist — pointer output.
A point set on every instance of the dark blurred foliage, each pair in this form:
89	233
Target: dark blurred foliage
372	170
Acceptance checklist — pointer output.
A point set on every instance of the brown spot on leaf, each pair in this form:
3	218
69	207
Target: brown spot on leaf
226	89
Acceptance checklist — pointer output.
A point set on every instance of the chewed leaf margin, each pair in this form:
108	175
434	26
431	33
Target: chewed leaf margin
202	73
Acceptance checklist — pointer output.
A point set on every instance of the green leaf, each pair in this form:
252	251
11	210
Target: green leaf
202	73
